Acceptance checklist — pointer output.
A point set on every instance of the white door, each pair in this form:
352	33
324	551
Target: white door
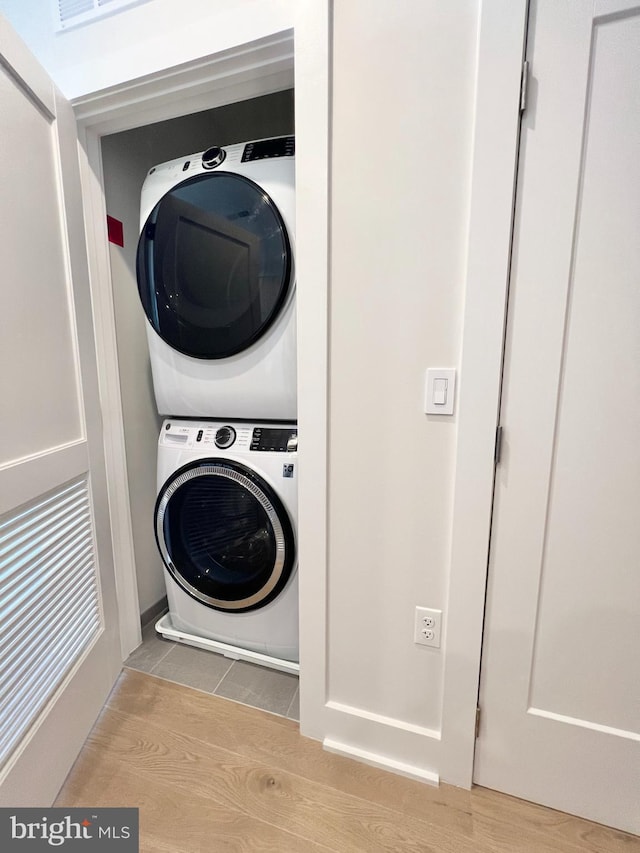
59	643
560	684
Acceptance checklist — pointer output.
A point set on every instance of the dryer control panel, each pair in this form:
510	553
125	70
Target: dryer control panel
282	146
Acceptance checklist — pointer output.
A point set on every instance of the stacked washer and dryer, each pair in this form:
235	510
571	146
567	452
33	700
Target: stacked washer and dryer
216	277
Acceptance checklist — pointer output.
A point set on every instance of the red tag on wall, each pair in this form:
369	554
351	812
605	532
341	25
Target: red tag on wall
115	231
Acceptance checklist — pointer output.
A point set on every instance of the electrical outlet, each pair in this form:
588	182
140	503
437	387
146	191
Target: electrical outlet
427	627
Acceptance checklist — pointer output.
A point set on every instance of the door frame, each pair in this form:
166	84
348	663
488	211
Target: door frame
501	52
264	66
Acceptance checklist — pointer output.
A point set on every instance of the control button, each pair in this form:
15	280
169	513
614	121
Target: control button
186	165
292	443
199	436
212	157
225	436
168	426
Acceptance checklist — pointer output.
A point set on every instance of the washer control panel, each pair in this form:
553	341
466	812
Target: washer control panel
274	439
216	436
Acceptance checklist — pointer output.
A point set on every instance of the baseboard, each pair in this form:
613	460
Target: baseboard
382	762
152	613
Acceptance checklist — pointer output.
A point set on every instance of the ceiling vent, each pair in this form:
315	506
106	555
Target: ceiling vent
71	13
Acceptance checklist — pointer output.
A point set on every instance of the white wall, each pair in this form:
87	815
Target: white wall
403	87
141	40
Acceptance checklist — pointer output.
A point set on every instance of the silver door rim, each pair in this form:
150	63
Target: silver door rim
263	500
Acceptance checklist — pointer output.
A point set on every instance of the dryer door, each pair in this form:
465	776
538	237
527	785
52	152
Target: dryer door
224	535
214	265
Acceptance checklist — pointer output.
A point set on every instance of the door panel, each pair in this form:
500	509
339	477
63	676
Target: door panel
59	641
36	306
560	694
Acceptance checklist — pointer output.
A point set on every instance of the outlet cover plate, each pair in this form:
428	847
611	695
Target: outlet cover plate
427	627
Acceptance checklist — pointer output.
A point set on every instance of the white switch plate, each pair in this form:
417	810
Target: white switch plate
440	390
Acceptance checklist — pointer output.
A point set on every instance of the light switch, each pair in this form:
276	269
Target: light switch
440	390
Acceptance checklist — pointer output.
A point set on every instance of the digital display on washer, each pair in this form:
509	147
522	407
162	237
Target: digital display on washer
284	146
274	438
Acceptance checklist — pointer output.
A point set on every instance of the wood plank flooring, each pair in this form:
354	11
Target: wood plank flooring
212	776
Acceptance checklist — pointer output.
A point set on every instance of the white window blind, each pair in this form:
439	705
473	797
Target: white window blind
69	13
49	609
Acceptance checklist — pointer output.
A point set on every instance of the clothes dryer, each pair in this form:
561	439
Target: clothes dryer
216	278
225	523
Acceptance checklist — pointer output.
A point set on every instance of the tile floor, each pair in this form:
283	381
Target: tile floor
243	682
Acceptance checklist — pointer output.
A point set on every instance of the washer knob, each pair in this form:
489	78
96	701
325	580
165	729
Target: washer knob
225	436
212	157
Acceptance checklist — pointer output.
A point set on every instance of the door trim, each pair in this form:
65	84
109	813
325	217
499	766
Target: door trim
245	71
501	45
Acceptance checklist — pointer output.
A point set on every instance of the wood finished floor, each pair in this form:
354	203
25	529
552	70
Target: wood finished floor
212	776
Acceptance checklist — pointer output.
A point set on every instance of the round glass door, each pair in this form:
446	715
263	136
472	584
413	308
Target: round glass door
224	535
213	265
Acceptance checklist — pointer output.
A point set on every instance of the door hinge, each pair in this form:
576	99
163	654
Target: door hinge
477	722
497	453
524	84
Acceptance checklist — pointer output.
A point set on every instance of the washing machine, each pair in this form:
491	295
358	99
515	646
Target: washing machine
216	278
225	524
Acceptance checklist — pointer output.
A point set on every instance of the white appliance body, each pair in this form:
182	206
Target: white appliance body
259	380
189	457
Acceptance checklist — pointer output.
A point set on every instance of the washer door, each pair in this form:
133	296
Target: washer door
214	265
224	535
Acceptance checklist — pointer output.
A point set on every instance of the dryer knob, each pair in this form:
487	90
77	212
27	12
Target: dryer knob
225	436
212	157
